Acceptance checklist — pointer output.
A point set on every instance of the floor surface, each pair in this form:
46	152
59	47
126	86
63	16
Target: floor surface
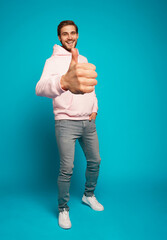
131	212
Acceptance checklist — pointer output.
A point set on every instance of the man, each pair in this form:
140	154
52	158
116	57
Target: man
70	81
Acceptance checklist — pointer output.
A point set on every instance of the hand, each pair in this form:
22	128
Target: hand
80	77
92	116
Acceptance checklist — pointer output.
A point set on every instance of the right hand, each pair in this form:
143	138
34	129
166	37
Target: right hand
80	77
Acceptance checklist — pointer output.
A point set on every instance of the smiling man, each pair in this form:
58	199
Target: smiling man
68	36
70	81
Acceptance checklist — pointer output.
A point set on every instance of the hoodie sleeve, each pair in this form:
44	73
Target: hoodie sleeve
49	83
95	106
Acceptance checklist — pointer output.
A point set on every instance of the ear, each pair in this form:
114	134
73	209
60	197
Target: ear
77	35
59	38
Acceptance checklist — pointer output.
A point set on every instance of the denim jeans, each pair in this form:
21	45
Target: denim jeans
67	132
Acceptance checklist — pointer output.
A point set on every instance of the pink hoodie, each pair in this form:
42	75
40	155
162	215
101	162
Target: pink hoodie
66	105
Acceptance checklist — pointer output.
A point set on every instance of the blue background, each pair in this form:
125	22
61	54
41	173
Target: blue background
127	41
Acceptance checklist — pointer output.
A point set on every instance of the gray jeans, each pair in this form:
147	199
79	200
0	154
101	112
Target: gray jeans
67	131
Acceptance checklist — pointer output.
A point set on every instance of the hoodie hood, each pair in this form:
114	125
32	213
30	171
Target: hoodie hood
60	51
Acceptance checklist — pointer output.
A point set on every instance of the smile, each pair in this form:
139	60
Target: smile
71	42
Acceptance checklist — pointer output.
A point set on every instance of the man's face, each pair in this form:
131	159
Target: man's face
68	37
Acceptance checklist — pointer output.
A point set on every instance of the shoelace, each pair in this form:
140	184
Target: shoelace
94	199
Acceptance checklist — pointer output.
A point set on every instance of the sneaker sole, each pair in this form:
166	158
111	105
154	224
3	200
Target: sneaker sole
64	227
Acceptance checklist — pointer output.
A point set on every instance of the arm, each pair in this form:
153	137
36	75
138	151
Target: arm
94	110
79	79
49	83
95	106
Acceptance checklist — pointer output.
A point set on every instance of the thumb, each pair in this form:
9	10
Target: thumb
74	58
90	117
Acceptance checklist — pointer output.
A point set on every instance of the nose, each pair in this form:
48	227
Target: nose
69	36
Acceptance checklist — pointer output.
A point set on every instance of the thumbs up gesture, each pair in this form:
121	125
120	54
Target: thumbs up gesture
80	77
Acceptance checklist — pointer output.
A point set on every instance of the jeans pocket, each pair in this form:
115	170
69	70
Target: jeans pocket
57	123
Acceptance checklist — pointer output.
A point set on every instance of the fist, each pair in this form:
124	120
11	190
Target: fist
80	77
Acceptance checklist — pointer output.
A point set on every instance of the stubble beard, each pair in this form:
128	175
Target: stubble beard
69	49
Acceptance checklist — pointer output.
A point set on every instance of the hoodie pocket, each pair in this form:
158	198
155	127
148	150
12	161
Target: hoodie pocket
63	101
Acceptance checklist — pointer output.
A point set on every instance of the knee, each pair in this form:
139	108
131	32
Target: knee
97	159
66	172
94	163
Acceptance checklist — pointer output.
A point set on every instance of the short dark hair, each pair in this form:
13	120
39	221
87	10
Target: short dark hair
65	23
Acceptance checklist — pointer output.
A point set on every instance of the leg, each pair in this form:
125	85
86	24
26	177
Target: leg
90	145
66	145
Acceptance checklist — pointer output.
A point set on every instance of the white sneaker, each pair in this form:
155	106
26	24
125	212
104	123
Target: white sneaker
64	219
93	203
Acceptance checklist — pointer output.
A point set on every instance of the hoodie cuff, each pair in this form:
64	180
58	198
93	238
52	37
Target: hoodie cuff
61	89
95	109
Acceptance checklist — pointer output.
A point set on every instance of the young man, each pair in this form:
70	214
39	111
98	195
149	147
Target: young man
70	81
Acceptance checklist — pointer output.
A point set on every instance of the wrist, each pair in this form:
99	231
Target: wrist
63	83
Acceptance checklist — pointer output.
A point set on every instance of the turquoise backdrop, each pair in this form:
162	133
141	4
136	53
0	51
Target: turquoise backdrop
127	41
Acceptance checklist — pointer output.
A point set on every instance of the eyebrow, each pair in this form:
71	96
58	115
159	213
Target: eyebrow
70	32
